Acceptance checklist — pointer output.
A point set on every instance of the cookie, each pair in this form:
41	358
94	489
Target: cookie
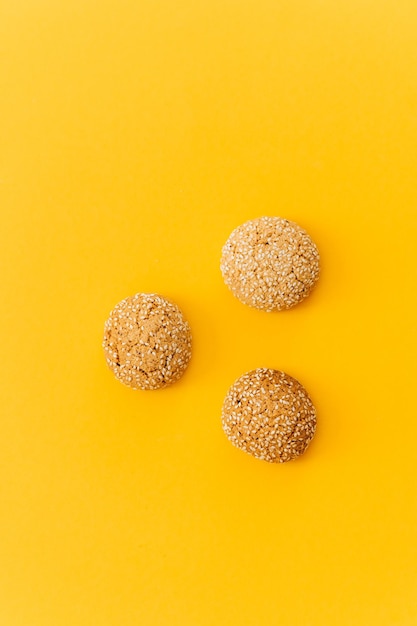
270	263
269	415
147	341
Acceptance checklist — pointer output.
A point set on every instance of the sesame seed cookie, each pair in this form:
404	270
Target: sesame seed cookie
270	415
270	263
147	341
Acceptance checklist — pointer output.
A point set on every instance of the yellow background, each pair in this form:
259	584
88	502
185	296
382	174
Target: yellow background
135	135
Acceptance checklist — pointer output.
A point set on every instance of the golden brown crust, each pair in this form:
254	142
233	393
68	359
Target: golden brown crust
147	341
270	263
270	415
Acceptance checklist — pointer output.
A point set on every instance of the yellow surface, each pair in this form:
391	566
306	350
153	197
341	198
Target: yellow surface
134	137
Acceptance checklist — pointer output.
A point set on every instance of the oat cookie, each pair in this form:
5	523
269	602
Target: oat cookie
147	341
270	415
270	263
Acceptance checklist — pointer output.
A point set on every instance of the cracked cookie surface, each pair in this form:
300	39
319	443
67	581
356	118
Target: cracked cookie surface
147	341
270	263
269	414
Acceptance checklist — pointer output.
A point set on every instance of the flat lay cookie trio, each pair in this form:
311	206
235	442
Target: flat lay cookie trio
268	263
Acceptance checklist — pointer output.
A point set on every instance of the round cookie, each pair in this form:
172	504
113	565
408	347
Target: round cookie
270	415
147	341
270	263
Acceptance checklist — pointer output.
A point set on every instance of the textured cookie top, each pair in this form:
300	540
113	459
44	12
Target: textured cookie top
147	342
270	263
269	414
